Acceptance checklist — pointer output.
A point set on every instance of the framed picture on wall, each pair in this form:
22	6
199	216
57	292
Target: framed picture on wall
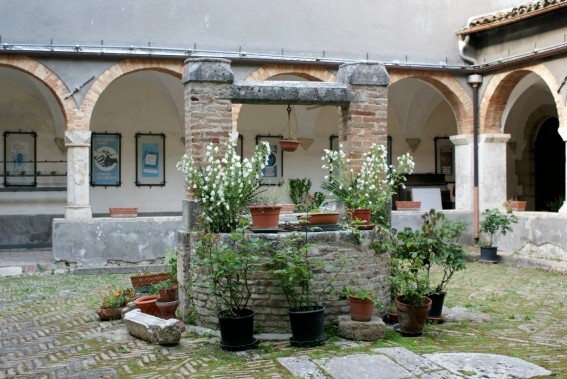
272	174
445	158
106	159
240	146
150	159
20	163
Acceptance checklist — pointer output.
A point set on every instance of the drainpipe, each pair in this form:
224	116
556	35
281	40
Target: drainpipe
475	81
462	44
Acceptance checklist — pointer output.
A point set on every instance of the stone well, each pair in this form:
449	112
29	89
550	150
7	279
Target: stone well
353	264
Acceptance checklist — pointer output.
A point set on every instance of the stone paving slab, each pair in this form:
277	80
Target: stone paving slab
414	363
363	366
487	366
302	367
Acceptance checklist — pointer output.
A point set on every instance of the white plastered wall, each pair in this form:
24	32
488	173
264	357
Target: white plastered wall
139	103
24	107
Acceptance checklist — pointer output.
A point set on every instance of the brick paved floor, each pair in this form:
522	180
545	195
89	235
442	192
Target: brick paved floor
48	328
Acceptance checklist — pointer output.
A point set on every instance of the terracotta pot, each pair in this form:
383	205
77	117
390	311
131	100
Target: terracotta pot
148	279
364	215
167	308
106	314
327	218
517	206
408	205
265	216
147	304
167	294
288	145
412	318
360	310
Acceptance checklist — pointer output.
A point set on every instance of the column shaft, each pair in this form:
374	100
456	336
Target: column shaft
78	147
492	170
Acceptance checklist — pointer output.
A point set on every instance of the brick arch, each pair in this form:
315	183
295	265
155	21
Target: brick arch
497	94
450	89
317	74
48	78
126	67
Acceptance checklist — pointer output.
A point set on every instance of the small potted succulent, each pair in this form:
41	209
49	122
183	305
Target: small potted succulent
113	301
494	224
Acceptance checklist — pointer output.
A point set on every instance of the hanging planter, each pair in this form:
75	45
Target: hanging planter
288	144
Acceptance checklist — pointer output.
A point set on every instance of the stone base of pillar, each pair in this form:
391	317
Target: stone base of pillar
78	212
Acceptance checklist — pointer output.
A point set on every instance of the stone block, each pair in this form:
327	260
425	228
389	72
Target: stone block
215	70
361	330
152	329
364	73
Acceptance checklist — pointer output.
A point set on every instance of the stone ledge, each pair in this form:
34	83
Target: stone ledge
361	330
289	92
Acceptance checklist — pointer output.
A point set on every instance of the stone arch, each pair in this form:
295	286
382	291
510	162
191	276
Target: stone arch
318	74
174	68
498	92
53	83
450	89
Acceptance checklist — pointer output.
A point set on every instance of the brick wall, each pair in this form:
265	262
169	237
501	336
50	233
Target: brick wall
354	265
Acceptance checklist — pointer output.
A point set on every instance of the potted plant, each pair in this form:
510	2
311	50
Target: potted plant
494	224
288	144
113	301
406	205
226	184
371	188
265	208
298	190
144	279
226	267
441	248
411	280
361	303
515	205
291	265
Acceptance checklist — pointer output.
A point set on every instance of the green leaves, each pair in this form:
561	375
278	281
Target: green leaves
496	223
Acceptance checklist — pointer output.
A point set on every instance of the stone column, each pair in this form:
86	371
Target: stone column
563	133
365	120
492	170
78	145
463	171
208	108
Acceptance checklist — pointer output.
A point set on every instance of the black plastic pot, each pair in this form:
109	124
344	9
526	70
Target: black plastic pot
307	326
489	254
237	333
437	300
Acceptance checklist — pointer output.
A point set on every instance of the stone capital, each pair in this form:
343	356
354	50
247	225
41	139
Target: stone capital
461	139
364	73
563	133
77	138
494	138
212	70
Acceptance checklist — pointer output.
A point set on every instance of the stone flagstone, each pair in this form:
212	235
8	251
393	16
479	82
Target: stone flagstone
411	361
301	367
363	366
487	366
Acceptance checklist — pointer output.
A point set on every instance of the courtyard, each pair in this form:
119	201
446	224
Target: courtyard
49	328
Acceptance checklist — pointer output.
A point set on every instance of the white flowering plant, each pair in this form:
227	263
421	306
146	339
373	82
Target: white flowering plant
224	184
372	186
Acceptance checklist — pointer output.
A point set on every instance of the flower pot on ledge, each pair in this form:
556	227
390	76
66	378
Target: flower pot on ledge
265	217
408	205
123	212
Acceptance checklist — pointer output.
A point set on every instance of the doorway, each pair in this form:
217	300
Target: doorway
549	165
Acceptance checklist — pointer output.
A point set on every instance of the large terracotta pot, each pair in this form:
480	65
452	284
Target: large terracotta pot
327	218
265	216
360	310
143	280
364	215
167	293
412	318
167	308
147	304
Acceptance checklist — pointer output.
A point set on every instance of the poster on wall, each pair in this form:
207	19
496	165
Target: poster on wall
444	158
105	159
20	159
272	174
150	159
